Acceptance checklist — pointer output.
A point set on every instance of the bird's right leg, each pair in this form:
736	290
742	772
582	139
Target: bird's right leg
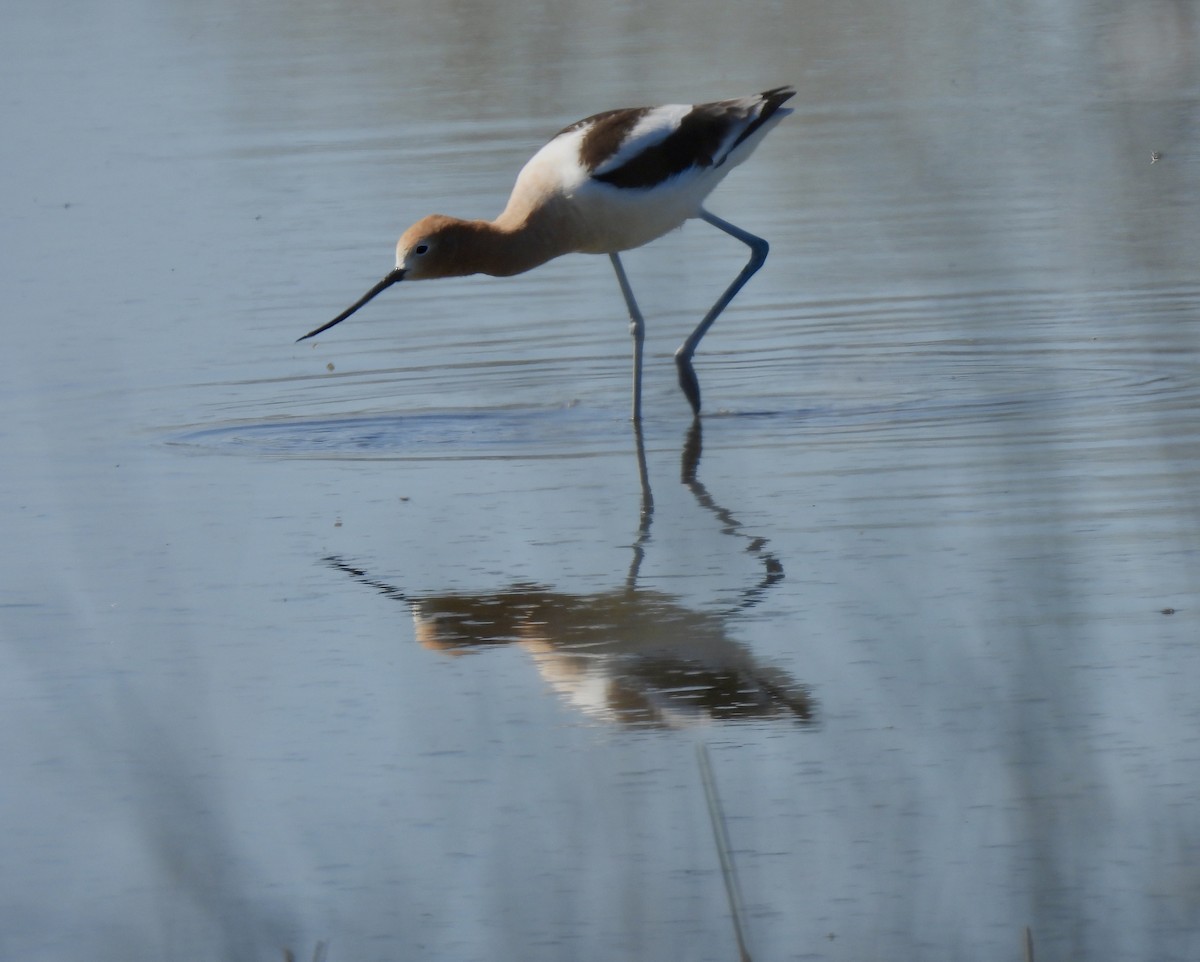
637	327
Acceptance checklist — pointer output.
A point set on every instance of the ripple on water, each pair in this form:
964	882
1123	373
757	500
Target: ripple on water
424	435
961	393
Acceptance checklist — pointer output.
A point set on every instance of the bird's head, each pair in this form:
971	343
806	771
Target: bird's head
437	246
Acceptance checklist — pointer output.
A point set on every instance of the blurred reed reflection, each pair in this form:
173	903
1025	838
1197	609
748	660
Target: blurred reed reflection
631	655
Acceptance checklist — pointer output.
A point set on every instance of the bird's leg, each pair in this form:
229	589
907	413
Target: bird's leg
637	327
683	357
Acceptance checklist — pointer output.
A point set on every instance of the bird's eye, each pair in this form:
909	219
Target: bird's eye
421	249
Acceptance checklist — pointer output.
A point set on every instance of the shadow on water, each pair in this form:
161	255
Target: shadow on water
631	655
319	954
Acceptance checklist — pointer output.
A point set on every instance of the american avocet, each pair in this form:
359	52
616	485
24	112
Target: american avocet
605	184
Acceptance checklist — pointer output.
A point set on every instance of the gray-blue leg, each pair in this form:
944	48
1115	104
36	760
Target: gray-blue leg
683	357
637	327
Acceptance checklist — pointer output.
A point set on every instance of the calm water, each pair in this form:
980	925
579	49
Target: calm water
392	640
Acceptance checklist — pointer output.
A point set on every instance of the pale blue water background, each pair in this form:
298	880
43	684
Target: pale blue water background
956	411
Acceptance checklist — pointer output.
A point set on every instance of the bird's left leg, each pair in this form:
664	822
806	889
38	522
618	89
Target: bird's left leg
683	357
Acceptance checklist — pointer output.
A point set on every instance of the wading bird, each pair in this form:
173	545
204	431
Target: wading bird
605	184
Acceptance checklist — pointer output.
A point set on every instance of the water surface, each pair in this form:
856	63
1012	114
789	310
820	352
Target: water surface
390	639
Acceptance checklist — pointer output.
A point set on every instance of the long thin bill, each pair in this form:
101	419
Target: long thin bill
383	285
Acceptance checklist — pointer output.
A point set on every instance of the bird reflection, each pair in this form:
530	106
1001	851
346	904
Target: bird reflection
629	655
